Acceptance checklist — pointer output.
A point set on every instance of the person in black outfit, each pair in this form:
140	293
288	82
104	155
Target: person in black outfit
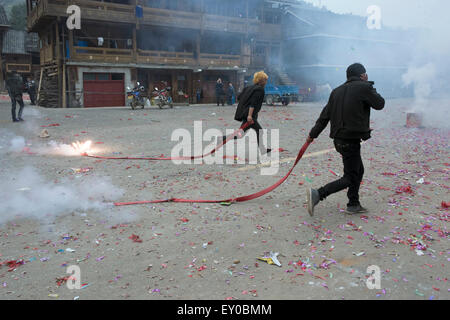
348	111
219	92
250	102
230	94
31	88
14	85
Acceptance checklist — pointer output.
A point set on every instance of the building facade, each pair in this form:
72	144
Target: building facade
185	44
19	51
189	44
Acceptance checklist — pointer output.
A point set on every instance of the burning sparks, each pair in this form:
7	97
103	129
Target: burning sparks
82	148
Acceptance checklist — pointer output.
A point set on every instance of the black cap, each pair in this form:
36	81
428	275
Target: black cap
355	70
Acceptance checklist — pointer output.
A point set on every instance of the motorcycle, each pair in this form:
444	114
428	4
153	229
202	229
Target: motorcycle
162	97
136	97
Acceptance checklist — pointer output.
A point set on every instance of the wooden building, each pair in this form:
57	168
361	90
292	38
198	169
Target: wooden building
186	44
4	27
19	51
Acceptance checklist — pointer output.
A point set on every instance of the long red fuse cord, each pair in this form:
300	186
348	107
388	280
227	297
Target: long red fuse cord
231	200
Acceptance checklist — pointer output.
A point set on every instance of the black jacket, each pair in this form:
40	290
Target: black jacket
348	110
219	89
14	84
252	96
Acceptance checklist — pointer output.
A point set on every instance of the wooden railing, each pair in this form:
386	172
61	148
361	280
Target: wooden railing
105	11
163	17
165	57
227	60
197	20
107	55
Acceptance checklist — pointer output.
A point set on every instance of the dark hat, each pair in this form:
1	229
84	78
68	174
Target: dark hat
355	70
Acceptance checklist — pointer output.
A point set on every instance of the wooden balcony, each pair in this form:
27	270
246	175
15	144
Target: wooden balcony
46	10
90	10
195	20
163	58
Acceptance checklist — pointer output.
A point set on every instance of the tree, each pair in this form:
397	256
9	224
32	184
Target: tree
18	17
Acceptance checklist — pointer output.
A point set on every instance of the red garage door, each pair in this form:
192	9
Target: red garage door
103	90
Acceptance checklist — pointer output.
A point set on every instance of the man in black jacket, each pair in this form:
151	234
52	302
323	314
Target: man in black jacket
14	85
219	92
348	110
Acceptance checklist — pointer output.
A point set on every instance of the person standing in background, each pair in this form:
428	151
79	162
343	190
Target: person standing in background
198	94
14	85
219	92
31	88
230	94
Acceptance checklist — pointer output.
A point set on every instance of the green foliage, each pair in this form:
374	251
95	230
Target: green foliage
18	17
8	4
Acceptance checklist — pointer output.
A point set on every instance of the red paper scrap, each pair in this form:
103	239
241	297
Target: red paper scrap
135	238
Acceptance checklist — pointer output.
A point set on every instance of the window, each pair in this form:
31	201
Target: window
89	76
117	76
102	76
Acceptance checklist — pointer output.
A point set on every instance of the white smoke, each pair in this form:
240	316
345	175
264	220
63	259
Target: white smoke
26	194
422	79
17	144
429	67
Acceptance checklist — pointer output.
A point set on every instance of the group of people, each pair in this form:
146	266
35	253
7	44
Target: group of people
348	111
16	87
225	92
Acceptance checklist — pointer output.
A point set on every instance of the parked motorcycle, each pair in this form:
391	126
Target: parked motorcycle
136	97
162	97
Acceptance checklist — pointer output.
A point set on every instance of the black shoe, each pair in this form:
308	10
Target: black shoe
312	199
356	209
20	119
266	151
15	120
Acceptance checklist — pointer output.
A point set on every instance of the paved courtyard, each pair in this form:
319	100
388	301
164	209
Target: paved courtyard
56	210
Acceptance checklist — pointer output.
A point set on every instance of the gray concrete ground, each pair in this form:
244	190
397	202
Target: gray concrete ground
209	251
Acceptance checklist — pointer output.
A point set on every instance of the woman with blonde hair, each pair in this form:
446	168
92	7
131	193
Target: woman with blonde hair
250	103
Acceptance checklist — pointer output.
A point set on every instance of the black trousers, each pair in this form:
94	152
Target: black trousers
229	100
353	172
32	94
220	99
16	99
255	126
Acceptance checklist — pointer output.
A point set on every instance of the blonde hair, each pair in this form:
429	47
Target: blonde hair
258	76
